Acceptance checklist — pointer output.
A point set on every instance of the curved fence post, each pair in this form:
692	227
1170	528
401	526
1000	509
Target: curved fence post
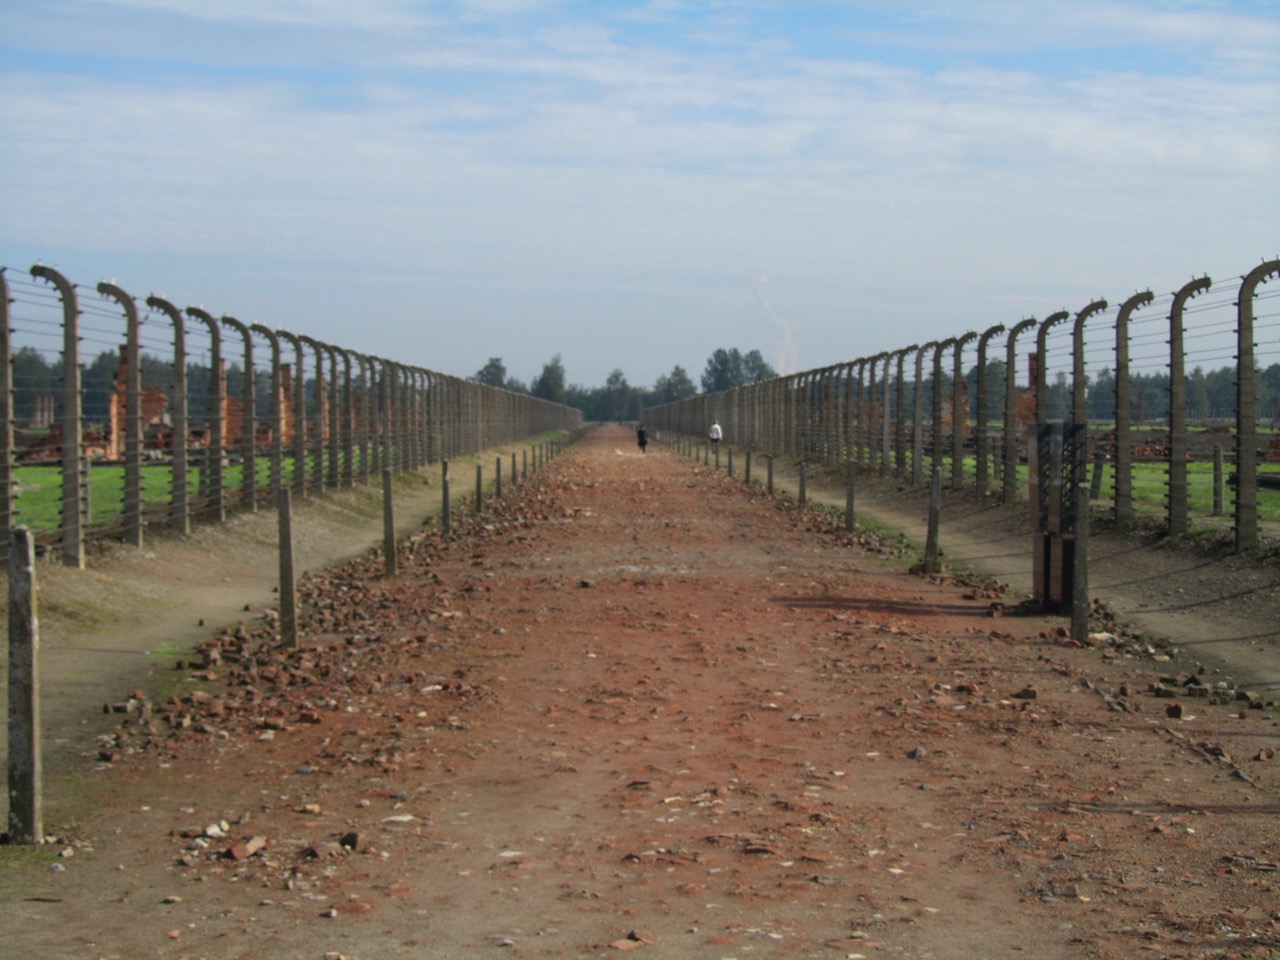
981	439
1079	391
277	413
935	461
1009	461
1246	516
212	482
1042	365
1124	411
319	388
73	485
8	480
917	417
959	407
179	496
299	420
900	422
249	430
1178	446
132	415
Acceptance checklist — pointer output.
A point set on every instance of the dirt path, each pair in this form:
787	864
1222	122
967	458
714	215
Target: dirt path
643	708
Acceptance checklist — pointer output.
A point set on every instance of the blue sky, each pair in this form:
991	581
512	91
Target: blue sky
633	185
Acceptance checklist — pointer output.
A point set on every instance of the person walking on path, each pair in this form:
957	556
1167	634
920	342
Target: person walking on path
716	434
642	438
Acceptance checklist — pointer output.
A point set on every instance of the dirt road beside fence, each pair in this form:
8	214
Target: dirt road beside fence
640	707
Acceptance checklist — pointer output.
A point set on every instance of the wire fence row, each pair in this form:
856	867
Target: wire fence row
181	416
1139	374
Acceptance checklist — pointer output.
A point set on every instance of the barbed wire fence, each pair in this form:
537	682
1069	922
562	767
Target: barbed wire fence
1182	379
146	413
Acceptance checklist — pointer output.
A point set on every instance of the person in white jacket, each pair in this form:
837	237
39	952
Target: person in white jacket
715	435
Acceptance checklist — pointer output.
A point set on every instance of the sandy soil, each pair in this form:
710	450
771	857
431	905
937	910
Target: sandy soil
641	707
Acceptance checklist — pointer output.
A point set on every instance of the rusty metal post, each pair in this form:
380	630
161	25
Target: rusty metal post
249	482
1009	459
132	415
212	482
1124	411
982	442
959	403
73	487
389	554
1246	516
1178	445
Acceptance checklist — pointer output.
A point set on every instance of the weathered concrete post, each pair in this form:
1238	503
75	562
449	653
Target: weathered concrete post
8	485
1123	467
936	447
1218	499
900	422
26	813
982	440
73	484
479	488
1178	441
1042	365
497	479
276	412
179	499
132	415
849	473
299	413
288	582
390	558
917	418
1247	410
959	419
1009	458
769	484
746	469
212	484
931	562
446	520
249	445
803	495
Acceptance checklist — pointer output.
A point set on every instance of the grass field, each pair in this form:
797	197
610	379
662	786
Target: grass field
39	502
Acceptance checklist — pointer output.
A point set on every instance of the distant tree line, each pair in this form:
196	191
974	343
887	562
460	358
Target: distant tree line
617	399
1210	394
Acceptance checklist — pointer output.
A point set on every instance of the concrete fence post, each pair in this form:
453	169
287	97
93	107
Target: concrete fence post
132	415
73	515
288	582
389	553
26	815
1246	516
1123	467
1176	516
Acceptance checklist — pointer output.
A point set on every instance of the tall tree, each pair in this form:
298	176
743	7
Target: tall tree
672	386
492	374
549	384
723	371
755	369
